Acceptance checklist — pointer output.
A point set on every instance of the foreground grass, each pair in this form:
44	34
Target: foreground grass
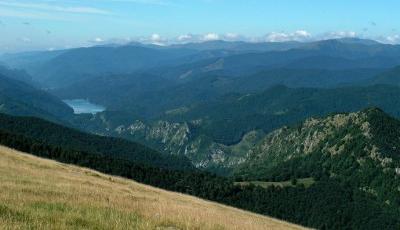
307	182
43	194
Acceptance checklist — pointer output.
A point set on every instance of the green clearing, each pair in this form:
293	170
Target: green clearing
307	182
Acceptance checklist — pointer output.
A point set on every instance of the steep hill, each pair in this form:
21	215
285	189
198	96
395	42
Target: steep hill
210	133
361	149
19	98
329	201
38	193
38	130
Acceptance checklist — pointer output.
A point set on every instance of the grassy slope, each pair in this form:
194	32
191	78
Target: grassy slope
43	194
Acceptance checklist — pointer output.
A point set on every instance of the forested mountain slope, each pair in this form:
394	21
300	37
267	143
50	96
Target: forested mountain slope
333	201
141	92
41	131
217	134
19	98
361	149
390	77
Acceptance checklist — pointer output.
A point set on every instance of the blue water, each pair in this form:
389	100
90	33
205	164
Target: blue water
84	106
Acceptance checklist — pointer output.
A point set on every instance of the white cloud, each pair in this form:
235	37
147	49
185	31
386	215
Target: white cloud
391	39
299	35
233	37
185	37
302	34
156	39
98	40
210	37
31	15
277	37
48	7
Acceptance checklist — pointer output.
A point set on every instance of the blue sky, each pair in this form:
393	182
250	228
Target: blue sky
49	24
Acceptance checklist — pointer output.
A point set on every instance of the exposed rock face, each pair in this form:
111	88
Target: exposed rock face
179	138
364	146
174	137
286	143
333	136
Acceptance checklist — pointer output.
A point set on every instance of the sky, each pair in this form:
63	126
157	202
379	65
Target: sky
58	24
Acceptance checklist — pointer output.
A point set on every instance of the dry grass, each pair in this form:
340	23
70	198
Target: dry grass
43	194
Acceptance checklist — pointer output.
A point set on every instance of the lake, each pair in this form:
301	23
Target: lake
84	106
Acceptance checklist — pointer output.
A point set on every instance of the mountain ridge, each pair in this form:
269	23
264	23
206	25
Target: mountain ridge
20	98
361	148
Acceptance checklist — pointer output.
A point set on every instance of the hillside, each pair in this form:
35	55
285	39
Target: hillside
367	207
141	92
390	77
19	98
360	149
35	130
209	133
38	193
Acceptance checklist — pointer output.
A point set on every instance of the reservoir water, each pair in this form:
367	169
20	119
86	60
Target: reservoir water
84	106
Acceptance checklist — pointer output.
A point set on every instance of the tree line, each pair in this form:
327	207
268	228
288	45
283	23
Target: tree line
328	204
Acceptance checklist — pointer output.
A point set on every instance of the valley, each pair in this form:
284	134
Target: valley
305	132
201	114
214	135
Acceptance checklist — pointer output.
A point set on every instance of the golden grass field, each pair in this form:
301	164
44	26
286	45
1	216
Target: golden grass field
44	194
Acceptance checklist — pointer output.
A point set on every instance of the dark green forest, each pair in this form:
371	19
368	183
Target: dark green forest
64	137
228	118
330	203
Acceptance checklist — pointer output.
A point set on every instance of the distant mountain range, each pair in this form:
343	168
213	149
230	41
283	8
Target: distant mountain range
61	68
